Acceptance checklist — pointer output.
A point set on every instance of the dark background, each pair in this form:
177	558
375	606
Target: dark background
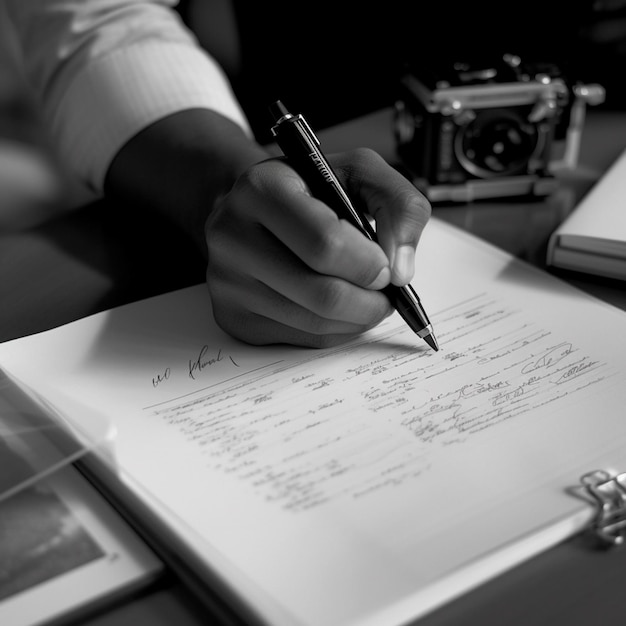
335	61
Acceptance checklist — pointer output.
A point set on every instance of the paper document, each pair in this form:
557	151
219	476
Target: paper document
369	483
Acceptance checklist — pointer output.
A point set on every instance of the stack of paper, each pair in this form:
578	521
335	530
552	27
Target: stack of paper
593	238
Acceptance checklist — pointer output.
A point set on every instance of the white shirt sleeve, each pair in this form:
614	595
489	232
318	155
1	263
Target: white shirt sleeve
105	69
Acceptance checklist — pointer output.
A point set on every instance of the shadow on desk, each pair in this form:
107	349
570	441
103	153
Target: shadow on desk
95	258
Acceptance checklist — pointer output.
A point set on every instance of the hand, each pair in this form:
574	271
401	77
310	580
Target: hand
282	268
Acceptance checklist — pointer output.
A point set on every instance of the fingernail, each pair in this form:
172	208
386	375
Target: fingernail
381	280
404	265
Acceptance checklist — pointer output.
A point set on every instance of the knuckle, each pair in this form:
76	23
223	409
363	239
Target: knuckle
359	162
220	234
363	155
421	206
418	214
329	252
330	300
326	247
258	179
249	181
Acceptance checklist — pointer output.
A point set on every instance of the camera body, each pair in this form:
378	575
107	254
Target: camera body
473	130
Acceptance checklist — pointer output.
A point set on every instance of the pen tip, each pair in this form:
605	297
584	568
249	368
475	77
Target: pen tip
431	340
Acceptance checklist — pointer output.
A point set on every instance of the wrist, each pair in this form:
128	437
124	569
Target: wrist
181	165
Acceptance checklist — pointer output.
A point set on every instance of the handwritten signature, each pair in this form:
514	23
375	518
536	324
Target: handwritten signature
549	358
204	361
196	365
576	370
160	378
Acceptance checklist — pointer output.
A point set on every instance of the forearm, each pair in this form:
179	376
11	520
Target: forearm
105	71
181	165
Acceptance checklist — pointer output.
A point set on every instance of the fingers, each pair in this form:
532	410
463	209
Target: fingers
284	268
268	295
276	198
271	318
401	212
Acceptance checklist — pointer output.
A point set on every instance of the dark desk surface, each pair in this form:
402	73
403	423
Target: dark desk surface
62	271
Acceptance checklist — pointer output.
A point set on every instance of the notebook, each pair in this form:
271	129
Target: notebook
365	484
592	239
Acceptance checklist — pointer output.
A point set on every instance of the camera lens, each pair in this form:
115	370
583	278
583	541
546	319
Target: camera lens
497	142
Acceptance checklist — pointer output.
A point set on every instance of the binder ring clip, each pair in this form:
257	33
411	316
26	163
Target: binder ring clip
609	494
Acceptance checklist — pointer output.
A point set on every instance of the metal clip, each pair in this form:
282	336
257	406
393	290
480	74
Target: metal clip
609	494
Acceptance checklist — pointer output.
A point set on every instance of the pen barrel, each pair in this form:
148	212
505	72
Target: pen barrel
406	302
300	146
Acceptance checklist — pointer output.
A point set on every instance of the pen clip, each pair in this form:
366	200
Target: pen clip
282	116
307	129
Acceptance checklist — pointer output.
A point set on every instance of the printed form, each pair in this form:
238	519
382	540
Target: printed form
370	482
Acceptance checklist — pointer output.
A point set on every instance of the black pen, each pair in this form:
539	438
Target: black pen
302	149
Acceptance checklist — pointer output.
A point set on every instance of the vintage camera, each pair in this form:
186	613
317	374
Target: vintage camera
486	130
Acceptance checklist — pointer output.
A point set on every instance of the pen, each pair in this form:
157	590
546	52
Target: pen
302	149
